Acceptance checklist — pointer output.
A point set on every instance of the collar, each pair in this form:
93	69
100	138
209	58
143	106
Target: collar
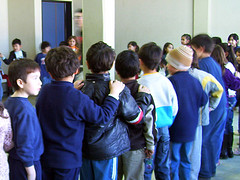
97	77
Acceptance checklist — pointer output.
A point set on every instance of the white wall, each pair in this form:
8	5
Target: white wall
224	18
160	21
4	43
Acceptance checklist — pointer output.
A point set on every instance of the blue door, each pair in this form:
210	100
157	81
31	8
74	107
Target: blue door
54	22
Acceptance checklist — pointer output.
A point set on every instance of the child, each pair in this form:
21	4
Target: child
63	111
24	158
17	53
40	59
131	163
233	83
133	46
214	90
102	144
166	105
233	40
5	141
163	64
203	45
190	98
185	39
72	43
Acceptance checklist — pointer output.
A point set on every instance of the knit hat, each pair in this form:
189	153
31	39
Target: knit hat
180	58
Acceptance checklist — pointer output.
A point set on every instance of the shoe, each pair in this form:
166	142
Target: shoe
237	152
218	163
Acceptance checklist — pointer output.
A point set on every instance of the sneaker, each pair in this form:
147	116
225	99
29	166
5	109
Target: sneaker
218	163
237	152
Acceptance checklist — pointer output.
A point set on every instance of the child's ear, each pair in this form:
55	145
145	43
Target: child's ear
20	83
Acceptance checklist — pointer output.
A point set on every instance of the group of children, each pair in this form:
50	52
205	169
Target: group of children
103	129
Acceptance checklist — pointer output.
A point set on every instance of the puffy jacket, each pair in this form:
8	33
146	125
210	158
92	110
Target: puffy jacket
102	142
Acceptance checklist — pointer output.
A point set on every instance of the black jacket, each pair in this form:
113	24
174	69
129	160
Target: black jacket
102	142
12	57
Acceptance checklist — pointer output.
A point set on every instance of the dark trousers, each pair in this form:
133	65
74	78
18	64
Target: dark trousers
60	174
17	170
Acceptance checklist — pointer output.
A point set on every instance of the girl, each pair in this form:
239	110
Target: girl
6	142
233	83
72	43
163	64
132	45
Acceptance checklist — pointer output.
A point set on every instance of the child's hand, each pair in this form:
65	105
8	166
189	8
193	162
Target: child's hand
1	55
31	173
149	153
116	87
78	84
143	89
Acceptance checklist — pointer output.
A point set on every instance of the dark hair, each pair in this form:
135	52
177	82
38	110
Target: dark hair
234	36
187	36
230	53
165	47
133	43
127	64
238	50
44	45
217	40
195	60
100	57
19	69
151	55
63	43
61	62
78	10
219	56
72	37
203	40
16	41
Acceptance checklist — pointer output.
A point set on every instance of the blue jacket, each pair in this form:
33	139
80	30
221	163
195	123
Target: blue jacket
191	97
27	134
63	111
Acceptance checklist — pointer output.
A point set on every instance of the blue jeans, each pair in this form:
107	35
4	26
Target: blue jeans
100	170
212	137
180	160
161	160
231	103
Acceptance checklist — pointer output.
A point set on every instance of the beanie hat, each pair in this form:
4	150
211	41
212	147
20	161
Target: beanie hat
180	58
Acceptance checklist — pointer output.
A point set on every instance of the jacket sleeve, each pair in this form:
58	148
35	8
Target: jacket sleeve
128	108
8	142
214	89
10	58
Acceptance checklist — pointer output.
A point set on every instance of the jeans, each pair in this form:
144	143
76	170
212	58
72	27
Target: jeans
212	137
161	160
231	103
180	160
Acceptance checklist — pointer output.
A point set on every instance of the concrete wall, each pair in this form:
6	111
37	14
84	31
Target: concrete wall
159	21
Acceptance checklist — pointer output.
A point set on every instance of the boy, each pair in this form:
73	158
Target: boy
213	133
190	98
185	39
166	105
102	144
131	163
40	59
63	110
17	53
24	158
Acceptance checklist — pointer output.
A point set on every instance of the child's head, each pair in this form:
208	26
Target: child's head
179	59
217	40
127	64
238	52
219	56
167	48
185	39
132	45
45	47
72	41
61	62
100	57
150	55
202	43
233	39
24	75
17	45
